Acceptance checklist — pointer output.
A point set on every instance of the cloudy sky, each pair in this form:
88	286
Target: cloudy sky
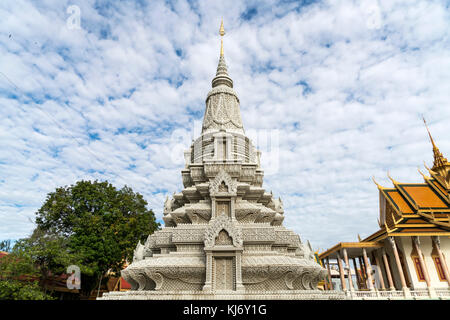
115	91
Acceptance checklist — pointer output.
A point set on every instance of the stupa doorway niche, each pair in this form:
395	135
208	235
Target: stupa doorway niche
224	272
223	250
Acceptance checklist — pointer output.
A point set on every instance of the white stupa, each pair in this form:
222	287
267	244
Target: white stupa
223	234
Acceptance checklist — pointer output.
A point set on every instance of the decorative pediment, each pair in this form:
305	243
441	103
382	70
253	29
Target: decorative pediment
214	231
223	183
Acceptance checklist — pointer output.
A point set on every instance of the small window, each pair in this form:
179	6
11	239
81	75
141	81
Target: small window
438	263
416	261
418	267
439	268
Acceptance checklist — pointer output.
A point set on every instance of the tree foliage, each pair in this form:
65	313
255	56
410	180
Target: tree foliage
20	275
97	224
19	290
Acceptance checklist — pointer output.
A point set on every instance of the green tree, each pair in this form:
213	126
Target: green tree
102	226
19	277
19	290
49	253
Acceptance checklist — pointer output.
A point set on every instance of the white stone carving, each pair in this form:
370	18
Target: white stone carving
222	223
222	178
138	252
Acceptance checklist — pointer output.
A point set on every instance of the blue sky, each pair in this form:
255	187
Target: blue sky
344	83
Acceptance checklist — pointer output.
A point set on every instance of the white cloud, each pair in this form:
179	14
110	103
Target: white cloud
345	83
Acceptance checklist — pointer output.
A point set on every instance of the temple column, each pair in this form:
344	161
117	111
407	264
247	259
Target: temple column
358	280
399	264
239	284
387	269
369	269
363	272
208	281
341	272
232	208
350	282
437	244
380	274
213	207
329	273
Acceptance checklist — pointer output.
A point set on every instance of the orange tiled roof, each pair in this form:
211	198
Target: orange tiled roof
423	196
397	198
438	185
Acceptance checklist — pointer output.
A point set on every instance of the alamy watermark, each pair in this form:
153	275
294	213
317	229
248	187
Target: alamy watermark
265	141
73	22
372	14
74	280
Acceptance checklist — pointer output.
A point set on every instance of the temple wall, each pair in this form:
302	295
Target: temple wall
407	250
445	248
426	247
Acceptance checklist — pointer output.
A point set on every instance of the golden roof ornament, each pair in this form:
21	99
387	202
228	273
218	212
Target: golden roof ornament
441	166
392	179
222	76
379	187
222	33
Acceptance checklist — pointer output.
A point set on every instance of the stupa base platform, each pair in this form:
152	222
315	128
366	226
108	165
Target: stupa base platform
230	295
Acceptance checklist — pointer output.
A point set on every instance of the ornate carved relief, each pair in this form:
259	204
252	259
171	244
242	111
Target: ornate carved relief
188	236
222	179
223	239
222	110
219	224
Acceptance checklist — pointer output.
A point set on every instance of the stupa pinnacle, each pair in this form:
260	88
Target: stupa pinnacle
222	103
223	232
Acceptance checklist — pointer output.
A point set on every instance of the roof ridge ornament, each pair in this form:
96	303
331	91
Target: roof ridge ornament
392	179
379	186
426	178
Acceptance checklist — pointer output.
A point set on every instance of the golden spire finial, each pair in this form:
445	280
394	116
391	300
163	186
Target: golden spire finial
431	138
222	33
439	159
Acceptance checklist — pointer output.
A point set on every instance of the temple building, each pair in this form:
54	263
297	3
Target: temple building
223	235
408	256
